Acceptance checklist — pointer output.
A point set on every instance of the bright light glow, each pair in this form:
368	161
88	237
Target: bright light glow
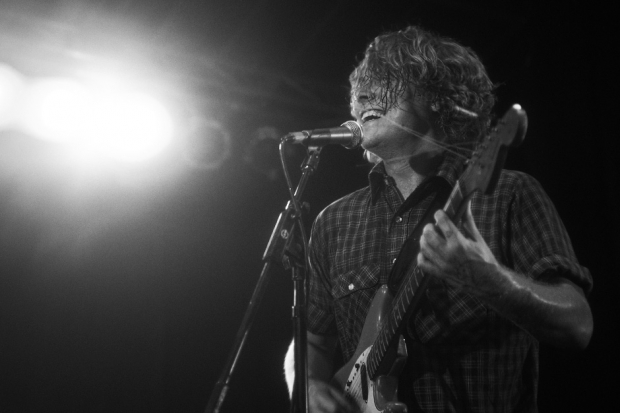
208	145
56	110
11	85
124	125
130	126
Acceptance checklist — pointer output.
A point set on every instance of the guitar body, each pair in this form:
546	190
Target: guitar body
378	395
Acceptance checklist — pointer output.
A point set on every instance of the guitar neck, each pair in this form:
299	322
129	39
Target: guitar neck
455	205
481	174
410	293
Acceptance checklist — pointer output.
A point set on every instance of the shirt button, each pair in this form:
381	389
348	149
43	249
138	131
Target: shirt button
399	219
351	287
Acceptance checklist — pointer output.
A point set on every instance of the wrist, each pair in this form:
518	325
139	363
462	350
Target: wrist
494	281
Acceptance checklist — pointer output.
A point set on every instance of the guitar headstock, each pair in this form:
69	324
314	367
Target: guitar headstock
488	159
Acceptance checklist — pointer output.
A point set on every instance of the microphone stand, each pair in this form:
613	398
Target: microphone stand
284	247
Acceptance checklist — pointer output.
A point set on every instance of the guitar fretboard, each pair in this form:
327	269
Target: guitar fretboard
409	295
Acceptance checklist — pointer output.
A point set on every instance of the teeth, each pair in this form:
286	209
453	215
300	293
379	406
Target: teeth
370	115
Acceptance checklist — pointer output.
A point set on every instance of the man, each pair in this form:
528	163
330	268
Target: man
504	280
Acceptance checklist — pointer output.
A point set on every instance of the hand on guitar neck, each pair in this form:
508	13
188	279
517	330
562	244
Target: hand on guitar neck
555	312
456	258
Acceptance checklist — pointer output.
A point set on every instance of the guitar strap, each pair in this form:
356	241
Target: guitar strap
407	257
410	248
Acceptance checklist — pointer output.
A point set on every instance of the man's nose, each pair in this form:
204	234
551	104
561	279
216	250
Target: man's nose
364	96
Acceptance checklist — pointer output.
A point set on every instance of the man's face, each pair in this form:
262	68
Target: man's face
393	131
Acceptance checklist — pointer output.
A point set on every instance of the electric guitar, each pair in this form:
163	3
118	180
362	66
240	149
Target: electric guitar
370	378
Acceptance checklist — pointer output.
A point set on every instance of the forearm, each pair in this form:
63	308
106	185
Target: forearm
322	397
320	355
555	311
321	352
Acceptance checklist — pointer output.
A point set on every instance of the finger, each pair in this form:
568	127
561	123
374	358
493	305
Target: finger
431	236
470	225
430	241
427	260
423	262
420	259
445	225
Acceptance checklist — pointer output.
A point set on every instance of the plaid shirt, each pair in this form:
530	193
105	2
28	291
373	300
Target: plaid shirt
462	355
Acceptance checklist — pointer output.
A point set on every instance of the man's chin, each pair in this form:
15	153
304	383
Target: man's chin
371	157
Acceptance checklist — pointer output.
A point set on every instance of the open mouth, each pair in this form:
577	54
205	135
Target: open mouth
371	115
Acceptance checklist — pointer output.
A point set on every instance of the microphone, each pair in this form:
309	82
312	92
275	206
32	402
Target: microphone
349	135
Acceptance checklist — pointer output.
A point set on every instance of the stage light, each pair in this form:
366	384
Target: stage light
131	126
123	125
55	110
11	86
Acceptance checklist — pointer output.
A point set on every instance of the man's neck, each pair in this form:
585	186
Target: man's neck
410	173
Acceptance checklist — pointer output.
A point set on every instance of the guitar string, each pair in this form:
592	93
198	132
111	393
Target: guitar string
358	389
454	148
355	387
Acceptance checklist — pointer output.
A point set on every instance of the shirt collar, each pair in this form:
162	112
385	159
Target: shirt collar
447	174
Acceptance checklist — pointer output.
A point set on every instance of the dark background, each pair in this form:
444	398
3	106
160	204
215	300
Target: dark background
121	290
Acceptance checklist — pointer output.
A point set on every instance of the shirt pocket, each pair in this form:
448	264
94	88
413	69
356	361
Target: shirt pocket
353	292
359	279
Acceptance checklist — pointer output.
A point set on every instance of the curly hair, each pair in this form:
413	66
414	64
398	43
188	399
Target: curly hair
449	76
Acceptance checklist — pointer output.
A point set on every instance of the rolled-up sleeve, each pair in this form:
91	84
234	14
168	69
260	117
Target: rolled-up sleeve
539	243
